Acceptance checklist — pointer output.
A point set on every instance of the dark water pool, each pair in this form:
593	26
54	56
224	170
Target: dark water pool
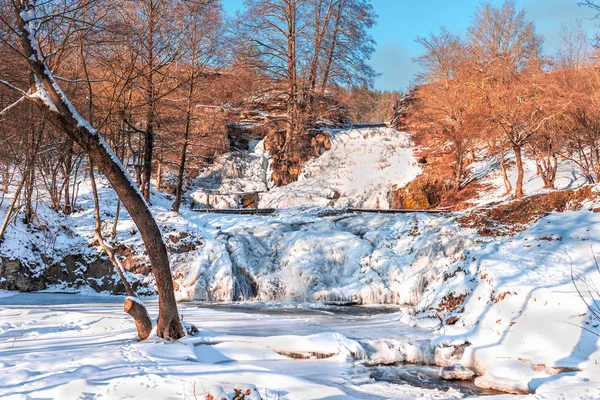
310	309
426	377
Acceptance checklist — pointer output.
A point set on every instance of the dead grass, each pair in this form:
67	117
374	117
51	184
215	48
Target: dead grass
451	302
511	218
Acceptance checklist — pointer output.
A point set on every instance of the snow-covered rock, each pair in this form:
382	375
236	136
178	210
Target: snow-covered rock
511	376
456	372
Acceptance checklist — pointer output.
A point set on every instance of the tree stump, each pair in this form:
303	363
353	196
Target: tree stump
137	310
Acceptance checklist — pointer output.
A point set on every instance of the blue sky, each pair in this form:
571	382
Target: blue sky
400	21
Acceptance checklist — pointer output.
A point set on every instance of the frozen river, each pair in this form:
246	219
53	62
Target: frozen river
53	344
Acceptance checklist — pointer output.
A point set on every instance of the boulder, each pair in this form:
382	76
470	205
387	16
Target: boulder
456	372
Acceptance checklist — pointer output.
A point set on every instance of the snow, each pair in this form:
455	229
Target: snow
456	372
299	256
522	316
136	300
6	293
360	170
511	376
506	308
487	172
58	345
522	304
232	174
41	94
511	309
73	345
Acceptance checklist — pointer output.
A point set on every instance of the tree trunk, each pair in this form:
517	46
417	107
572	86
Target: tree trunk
149	134
182	160
75	189
62	114
116	220
159	176
98	233
7	178
132	307
148	149
68	168
458	167
292	76
11	208
180	176
334	39
507	184
320	31
520	172
29	173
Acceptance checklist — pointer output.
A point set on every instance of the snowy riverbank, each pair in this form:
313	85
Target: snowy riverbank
68	346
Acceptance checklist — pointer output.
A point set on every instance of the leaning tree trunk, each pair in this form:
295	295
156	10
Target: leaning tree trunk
57	108
133	306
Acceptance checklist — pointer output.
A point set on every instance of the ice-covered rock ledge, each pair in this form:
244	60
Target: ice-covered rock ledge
300	256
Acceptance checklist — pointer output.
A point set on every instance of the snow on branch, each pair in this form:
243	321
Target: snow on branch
6	109
13	87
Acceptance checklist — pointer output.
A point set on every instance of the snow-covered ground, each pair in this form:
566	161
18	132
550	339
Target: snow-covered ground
506	308
73	346
510	308
361	168
487	172
523	313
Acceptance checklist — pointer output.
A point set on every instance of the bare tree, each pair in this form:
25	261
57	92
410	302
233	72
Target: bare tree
47	95
447	101
507	52
154	39
302	47
201	49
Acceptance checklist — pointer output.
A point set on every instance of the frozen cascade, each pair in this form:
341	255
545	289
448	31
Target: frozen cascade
300	256
244	287
361	169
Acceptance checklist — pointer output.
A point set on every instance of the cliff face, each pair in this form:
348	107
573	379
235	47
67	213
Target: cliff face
73	271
